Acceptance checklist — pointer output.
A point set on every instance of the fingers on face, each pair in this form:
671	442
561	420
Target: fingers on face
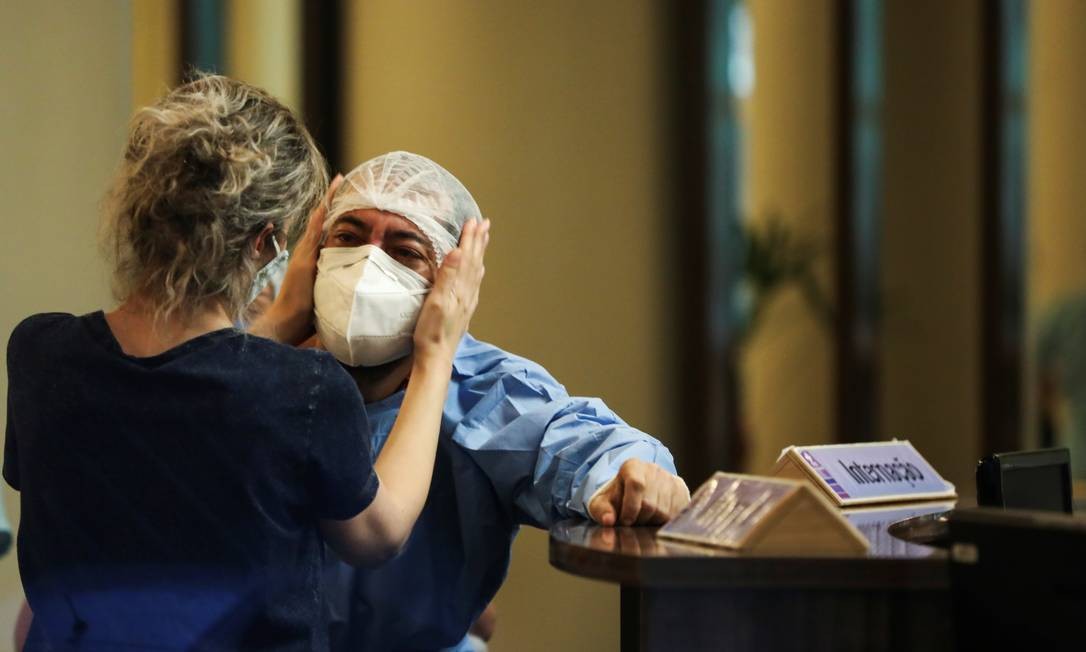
451	263
314	229
332	188
475	236
473	241
479	241
467	233
322	209
470	245
463	252
485	242
469	237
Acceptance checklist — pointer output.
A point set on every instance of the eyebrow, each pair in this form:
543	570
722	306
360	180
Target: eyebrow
353	221
409	235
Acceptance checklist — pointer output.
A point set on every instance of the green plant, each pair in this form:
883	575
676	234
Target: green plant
775	257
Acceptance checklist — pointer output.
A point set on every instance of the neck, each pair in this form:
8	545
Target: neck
380	382
135	329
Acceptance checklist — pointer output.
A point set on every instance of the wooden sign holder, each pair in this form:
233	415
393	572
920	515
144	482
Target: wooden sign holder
766	516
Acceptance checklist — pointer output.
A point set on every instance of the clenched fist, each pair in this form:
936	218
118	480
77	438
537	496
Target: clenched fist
642	493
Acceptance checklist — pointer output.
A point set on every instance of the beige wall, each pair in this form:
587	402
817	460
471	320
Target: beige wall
552	113
64	77
263	46
156	64
788	365
1057	151
930	242
1056	262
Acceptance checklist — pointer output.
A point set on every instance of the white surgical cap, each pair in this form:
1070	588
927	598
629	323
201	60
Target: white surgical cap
412	186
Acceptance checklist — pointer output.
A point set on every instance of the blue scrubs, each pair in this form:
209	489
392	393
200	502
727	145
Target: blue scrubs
514	449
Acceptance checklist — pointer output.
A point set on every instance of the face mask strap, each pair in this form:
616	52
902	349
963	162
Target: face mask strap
275	242
270	273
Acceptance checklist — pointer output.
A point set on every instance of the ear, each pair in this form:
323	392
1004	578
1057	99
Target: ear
260	240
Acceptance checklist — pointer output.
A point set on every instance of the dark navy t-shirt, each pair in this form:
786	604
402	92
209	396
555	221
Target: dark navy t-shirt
172	502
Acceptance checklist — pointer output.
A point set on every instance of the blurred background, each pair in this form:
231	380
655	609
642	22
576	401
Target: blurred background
743	223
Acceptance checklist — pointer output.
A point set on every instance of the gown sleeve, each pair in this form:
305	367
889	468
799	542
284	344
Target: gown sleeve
545	453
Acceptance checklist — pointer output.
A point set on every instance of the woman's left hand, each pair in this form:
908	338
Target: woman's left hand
455	294
290	318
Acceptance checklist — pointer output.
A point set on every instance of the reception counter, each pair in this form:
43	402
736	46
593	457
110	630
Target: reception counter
679	597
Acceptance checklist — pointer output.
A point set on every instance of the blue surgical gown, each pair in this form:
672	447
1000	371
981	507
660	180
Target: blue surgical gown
514	449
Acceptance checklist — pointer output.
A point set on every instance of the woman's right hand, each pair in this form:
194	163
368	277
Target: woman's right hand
289	319
448	309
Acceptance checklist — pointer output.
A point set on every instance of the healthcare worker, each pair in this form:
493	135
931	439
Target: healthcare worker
515	448
179	479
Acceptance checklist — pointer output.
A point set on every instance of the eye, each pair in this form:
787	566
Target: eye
345	238
407	252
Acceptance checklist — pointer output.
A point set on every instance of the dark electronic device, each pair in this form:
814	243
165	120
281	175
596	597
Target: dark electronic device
1038	480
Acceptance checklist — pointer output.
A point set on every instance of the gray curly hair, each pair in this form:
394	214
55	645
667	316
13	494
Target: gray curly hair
205	169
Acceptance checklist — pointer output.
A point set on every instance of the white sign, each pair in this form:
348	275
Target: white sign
857	474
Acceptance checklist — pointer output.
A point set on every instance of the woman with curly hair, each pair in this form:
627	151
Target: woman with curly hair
179	477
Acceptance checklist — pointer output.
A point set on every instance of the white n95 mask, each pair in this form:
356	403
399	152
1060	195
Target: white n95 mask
366	304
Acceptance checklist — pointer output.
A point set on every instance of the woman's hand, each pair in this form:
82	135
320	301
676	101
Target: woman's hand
452	300
290	318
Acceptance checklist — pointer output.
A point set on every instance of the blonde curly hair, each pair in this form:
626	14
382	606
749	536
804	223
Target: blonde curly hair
205	169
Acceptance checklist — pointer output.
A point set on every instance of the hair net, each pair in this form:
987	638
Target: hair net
412	186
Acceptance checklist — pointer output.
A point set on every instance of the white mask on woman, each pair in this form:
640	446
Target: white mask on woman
366	305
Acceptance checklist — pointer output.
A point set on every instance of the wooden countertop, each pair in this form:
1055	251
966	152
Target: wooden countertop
633	556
